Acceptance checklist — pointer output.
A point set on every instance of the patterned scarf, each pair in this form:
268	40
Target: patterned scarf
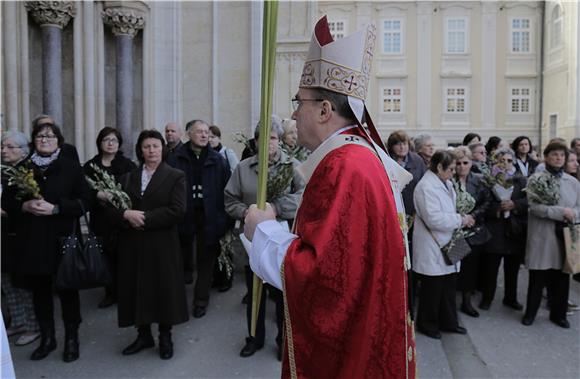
44	162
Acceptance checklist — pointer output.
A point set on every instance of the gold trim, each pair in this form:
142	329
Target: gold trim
288	329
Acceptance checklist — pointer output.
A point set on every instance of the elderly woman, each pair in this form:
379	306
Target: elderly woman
240	193
424	146
507	223
545	245
215	141
15	150
290	141
40	224
469	185
150	268
525	165
436	220
111	160
478	158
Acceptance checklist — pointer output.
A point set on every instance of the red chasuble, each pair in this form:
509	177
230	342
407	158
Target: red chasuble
345	284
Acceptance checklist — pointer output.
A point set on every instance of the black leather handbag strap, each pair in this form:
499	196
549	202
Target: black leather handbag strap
429	230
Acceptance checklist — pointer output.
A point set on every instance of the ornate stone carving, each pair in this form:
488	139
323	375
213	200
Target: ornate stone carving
57	13
124	20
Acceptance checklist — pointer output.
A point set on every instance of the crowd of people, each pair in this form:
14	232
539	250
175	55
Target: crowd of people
505	225
186	197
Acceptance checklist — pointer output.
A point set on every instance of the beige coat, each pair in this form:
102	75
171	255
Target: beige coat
240	192
543	250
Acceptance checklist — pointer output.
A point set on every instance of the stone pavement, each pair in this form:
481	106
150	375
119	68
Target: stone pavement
497	345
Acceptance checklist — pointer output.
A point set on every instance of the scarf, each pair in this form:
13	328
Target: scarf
44	162
557	172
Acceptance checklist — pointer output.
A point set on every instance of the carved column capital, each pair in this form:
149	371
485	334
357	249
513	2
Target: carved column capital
126	17
57	13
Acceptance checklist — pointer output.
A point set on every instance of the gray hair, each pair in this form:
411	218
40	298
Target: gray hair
503	151
19	138
474	146
421	139
276	127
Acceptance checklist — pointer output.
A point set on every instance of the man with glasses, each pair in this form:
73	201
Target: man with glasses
205	221
343	269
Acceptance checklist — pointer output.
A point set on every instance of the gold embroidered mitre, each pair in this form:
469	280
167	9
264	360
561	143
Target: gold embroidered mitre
342	66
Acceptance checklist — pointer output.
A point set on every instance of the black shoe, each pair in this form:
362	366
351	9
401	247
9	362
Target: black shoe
71	342
199	311
142	342
469	310
165	346
433	334
279	353
457	329
107	301
46	346
47	342
513	304
484	305
71	350
561	322
224	287
188	278
250	348
527	320
245	299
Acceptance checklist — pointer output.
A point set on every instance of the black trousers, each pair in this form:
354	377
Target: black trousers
490	268
278	298
437	308
468	276
558	285
111	257
42	295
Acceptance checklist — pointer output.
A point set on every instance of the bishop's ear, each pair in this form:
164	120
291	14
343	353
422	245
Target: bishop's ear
326	110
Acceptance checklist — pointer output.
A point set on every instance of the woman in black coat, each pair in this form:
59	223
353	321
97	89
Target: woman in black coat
111	160
524	164
508	239
150	266
40	223
467	181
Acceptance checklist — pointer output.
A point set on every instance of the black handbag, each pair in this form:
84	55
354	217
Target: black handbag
454	251
83	264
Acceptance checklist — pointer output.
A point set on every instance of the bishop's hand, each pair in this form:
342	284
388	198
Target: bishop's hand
256	216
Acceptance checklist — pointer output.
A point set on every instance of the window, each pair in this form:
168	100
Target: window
521	35
520	100
455	100
392	37
456	35
392	100
556	28
337	29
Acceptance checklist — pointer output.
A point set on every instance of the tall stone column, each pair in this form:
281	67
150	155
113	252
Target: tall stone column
125	18
52	16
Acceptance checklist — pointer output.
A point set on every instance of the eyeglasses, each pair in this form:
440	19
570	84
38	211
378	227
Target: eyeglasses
507	160
40	137
296	103
463	163
9	147
110	140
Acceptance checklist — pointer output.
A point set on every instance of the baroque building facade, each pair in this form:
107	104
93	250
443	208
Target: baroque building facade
445	68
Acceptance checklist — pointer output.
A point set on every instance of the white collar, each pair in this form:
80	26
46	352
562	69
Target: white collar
339	131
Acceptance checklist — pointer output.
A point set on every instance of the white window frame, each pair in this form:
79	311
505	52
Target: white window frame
465	34
520	99
401	32
332	27
386	97
521	32
556	26
456	97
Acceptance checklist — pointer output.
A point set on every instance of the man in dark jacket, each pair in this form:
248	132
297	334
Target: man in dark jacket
205	220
